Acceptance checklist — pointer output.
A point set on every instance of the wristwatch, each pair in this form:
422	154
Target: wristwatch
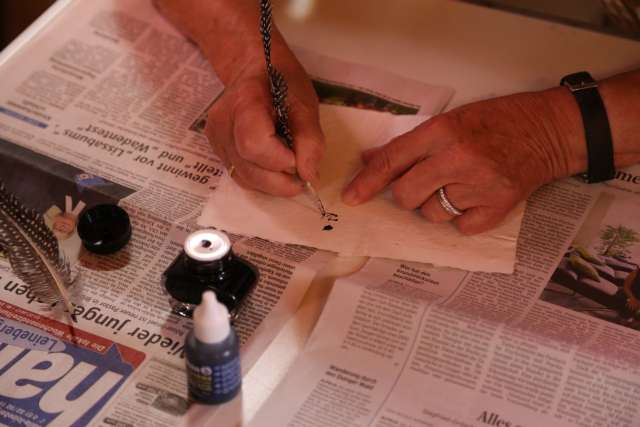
600	163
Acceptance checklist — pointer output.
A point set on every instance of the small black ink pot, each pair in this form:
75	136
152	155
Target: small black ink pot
208	263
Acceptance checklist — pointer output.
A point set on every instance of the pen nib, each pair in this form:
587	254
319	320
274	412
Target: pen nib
316	199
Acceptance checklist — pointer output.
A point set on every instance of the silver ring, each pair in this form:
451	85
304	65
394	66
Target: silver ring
446	204
231	170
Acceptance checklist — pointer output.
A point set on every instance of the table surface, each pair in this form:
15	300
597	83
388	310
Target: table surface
479	52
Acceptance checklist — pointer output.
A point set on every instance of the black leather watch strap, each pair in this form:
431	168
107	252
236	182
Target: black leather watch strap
601	166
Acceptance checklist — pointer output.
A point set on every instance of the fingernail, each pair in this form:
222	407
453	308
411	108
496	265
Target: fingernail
350	196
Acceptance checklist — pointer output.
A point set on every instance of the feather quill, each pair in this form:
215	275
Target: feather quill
33	252
279	90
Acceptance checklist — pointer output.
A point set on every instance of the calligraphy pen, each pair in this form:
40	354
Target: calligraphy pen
279	90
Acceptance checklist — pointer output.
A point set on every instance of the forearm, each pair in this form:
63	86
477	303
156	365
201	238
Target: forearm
227	31
621	97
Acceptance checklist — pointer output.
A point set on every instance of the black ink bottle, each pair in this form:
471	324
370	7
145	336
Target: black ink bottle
208	263
212	354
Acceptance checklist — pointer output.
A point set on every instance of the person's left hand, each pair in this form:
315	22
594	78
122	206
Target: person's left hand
488	156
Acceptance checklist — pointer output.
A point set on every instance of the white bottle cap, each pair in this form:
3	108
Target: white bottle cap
207	245
211	320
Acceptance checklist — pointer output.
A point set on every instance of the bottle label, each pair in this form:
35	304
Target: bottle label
214	382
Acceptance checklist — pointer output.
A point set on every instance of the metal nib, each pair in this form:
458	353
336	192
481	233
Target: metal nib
313	194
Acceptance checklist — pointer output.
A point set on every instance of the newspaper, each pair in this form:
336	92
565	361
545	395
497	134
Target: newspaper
106	103
556	343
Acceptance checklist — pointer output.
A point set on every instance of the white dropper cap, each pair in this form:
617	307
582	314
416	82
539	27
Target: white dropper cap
211	320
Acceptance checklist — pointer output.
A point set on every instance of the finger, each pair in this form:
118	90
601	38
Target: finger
421	181
218	149
385	165
397	156
367	155
251	176
255	139
308	139
478	219
433	211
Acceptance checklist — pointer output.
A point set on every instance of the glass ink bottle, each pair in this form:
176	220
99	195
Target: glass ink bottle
207	262
212	354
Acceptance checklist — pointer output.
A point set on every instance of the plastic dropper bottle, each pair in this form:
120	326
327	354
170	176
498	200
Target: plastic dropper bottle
212	353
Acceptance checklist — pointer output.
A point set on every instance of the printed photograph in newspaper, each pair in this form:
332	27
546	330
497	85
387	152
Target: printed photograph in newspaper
335	93
56	190
598	275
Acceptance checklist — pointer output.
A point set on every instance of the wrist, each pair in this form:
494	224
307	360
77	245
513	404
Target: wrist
568	135
621	97
226	31
233	44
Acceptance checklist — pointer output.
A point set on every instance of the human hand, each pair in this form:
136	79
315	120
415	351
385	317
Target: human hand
241	130
241	122
488	156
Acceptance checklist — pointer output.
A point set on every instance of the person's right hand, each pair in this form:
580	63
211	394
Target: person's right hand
241	122
242	132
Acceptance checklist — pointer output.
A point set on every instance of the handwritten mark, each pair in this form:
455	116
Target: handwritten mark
331	217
